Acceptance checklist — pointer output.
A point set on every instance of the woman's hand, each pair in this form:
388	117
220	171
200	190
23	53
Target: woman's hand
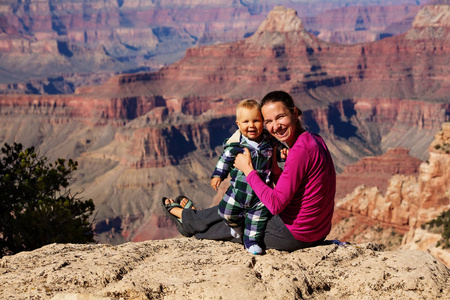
243	162
276	170
283	153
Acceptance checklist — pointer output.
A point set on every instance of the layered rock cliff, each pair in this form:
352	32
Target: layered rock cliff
192	269
362	24
87	42
377	170
142	136
408	203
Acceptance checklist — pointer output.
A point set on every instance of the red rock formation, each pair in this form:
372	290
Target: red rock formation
297	61
71	37
362	24
377	170
408	203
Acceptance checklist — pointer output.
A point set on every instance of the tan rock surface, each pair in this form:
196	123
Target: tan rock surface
408	203
409	198
194	269
420	239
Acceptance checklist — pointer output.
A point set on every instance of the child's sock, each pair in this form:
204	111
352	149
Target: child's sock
255	249
237	232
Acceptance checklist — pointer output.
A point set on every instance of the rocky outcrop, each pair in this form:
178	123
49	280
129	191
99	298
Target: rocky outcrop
200	269
362	24
408	203
409	200
432	16
377	170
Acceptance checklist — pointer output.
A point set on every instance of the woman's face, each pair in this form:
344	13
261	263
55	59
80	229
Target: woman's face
280	122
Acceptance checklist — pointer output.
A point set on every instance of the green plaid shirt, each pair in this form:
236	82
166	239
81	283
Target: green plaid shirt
261	161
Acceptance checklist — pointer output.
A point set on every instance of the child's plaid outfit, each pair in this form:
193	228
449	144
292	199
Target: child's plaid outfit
239	201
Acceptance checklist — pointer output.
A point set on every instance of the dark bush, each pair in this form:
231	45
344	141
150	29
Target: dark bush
36	206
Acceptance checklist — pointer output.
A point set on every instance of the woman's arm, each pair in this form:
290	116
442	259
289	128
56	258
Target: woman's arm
276	199
265	193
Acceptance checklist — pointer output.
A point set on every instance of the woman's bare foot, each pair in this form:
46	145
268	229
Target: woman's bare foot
177	211
184	201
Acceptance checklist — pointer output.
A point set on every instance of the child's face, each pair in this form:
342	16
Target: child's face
250	123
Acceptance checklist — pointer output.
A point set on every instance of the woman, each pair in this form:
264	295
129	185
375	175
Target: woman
302	200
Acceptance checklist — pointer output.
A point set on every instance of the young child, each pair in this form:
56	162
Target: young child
240	204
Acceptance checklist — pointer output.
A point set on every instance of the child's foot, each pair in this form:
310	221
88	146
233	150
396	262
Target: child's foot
237	232
255	249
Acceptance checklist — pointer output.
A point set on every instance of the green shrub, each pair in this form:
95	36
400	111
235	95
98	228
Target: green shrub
36	207
441	225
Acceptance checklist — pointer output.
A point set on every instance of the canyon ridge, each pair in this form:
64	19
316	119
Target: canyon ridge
53	47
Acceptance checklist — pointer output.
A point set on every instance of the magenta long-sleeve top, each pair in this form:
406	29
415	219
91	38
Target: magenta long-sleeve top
304	193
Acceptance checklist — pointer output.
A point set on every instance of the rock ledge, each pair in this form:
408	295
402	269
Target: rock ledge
194	269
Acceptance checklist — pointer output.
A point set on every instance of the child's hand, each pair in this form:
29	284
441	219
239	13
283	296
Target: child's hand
276	170
215	183
284	153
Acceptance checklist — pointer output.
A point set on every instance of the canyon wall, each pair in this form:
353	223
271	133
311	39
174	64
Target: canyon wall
50	47
376	171
139	137
361	24
410	200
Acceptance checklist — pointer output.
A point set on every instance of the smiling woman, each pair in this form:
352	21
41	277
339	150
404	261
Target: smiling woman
281	118
302	200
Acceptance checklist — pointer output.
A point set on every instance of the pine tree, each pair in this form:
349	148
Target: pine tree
36	206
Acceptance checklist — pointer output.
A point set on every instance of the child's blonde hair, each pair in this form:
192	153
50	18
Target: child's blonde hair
247	104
